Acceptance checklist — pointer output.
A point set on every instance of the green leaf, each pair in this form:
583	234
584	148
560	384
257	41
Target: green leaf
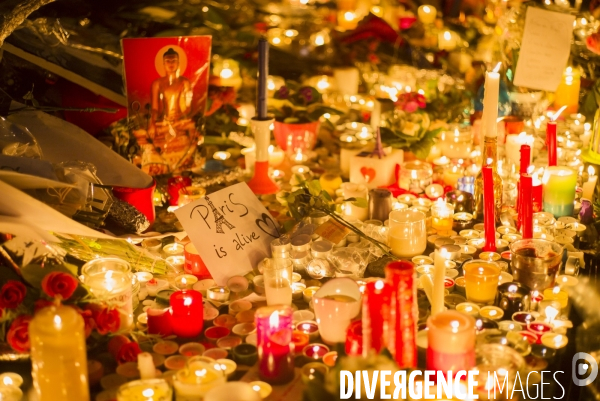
325	195
314	187
360	202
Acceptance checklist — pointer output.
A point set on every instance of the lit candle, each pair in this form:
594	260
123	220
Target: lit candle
109	280
263	389
590	185
330	358
567	93
491	312
187	311
376	294
275	349
315	351
469	308
557	294
446	40
309	328
330	182
514	143
513	298
300	340
427	14
174	249
218	293
489	124
146	390
185	281
407	235
351	190
551	139
347	19
481	281
441	215
554	340
559	190
451	341
58	354
195	381
452	174
526	210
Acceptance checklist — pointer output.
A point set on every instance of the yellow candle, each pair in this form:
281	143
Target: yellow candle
330	182
347	19
145	390
427	14
441	215
491	312
452	174
58	354
567	93
556	294
481	281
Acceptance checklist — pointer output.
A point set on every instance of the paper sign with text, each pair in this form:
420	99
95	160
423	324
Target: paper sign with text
231	229
332	231
545	49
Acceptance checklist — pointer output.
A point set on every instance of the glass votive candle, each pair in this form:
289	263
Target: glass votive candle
469	308
481	281
451	341
535	262
149	389
415	176
197	381
441	215
218	293
315	352
407	236
513	297
462	221
275	350
312	370
491	312
310	328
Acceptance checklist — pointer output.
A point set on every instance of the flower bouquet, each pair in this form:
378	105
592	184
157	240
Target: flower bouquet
409	126
297	111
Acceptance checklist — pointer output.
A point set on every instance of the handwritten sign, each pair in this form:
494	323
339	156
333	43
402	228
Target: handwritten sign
544	50
231	229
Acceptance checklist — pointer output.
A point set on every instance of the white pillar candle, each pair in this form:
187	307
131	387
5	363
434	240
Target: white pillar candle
439	273
489	118
146	366
347	80
590	185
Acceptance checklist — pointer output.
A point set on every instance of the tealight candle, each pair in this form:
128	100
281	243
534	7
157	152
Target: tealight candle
310	328
312	370
203	285
237	284
451	175
147	390
185	281
308	293
315	351
441	215
11	379
565	281
469	308
491	312
298	291
554	340
228	342
227	321
219	294
245	354
143	277
177	262
330	358
300	340
263	389
507	325
174	249
196	381
238	306
557	294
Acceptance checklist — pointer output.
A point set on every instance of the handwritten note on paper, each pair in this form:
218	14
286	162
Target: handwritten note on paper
231	229
544	50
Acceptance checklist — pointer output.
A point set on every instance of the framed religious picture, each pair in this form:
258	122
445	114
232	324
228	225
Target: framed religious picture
167	87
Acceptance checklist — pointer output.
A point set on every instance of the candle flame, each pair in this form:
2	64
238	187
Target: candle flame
256	388
455	324
591	171
183	281
274	320
489	161
447	35
558	339
148	392
187	301
57	322
426	9
530	169
556	290
557	114
497	67
379	284
512	288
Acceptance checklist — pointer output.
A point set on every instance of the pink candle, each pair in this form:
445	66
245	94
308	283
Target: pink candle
551	142
375	300
524	165
274	342
354	339
187	313
489	213
403	313
526	212
451	341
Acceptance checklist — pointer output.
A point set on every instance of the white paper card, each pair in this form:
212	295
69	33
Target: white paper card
544	50
231	230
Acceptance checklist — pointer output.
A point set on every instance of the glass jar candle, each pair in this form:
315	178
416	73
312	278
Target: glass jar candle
407	236
147	390
110	280
415	176
457	142
277	274
441	215
349	210
559	190
196	380
190	194
451	341
481	281
535	262
274	341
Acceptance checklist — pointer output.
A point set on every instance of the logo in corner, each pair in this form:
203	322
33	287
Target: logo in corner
584	365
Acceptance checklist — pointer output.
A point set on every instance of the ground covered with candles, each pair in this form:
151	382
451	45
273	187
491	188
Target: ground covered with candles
299	200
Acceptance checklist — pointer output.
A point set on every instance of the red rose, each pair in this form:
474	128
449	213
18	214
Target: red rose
128	353
18	334
12	294
59	283
41	303
88	320
107	320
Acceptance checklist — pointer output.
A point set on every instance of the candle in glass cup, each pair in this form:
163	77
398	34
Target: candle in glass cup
557	294
278	277
58	354
451	175
275	350
187	313
559	190
146	390
351	190
407	235
194	382
110	280
535	262
513	297
481	281
315	352
441	215
451	341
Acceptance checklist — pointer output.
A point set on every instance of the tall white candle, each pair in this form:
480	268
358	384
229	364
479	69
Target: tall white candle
590	185
146	366
490	103
439	273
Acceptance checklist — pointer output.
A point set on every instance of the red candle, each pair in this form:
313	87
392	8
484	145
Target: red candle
489	214
174	184
403	313
159	321
376	300
536	195
274	343
194	263
300	340
526	216
551	142
354	339
315	351
187	313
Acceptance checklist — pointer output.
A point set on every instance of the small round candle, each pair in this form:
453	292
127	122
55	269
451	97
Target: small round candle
263	389
185	281
330	358
212	334
508	325
227	366
310	370
298	291
491	312
243	329
11	379
310	328
315	351
300	340
469	308
228	342
174	249
308	293
219	294
165	347
237	284
554	340
245	354
226	321
238	306
557	294
203	285
192	349
216	353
